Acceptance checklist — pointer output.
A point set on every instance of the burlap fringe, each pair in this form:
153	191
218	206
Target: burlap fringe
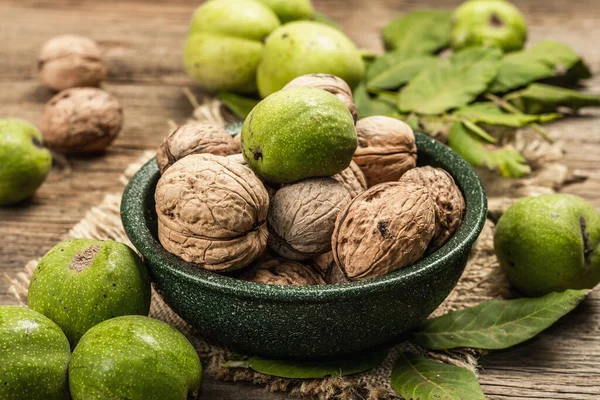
482	279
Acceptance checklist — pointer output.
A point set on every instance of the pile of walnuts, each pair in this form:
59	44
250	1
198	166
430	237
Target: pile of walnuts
380	214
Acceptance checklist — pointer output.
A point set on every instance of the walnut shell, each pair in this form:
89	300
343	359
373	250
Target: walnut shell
276	271
302	216
334	274
69	61
449	201
81	120
212	212
353	179
386	149
194	138
322	261
332	84
385	228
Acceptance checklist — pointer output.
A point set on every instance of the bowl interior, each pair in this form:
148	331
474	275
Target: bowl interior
140	221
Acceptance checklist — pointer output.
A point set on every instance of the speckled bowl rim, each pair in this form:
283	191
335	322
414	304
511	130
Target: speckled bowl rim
143	184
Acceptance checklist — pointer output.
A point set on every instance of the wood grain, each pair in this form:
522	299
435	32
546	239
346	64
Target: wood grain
143	40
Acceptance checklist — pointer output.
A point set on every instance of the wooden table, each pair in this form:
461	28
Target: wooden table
143	42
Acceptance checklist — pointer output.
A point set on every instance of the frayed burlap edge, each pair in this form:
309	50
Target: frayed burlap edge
481	281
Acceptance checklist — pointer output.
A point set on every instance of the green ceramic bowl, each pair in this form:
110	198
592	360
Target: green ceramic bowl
310	321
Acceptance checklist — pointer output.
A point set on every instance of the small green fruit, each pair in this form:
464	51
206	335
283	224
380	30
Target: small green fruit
34	356
298	133
489	23
224	45
291	10
135	358
307	47
549	243
82	282
24	162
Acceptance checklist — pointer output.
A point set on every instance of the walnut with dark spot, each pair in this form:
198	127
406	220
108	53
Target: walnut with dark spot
276	271
332	84
449	201
194	138
81	120
69	61
353	179
212	212
302	216
385	228
386	149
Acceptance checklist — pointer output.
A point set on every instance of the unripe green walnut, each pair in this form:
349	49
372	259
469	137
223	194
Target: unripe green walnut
489	23
291	10
306	47
24	162
298	133
224	44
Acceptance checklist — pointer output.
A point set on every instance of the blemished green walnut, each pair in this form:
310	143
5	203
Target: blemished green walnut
291	10
488	23
298	133
136	358
34	356
24	162
82	282
224	44
306	47
549	243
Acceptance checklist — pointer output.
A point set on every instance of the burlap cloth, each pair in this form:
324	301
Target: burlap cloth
482	279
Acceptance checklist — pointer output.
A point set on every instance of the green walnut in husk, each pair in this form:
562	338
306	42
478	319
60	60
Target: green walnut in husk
291	10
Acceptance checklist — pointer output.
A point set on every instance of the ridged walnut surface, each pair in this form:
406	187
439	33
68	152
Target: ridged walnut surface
212	212
194	138
81	120
330	83
386	149
353	179
449	201
282	272
302	216
385	228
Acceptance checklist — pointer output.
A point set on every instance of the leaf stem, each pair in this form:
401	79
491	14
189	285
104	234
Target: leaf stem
512	109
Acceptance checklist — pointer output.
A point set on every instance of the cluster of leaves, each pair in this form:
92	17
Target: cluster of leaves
469	92
493	325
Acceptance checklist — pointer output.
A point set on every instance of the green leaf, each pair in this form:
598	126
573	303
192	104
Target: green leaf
507	161
382	104
452	84
393	70
313	369
491	114
496	324
239	105
362	100
422	32
544	60
539	98
479	131
415	377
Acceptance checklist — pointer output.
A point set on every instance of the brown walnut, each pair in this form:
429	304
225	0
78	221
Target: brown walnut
276	271
386	149
353	179
302	216
69	61
332	84
383	229
194	138
449	201
81	120
212	212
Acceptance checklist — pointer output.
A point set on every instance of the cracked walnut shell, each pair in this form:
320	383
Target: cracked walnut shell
385	228
194	138
302	216
212	212
81	120
330	83
69	61
386	149
276	271
449	201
